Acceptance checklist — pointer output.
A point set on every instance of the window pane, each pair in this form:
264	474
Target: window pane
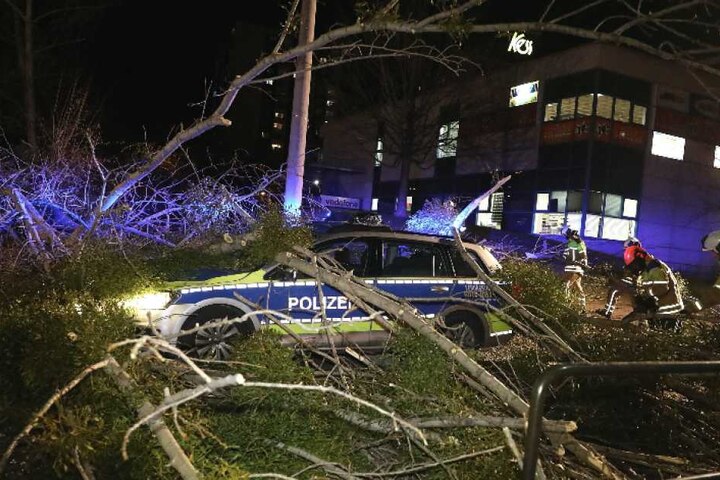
592	225
622	110
613	205
374	205
551	111
618	229
484	205
379	152
447	139
639	114
716	163
559	199
524	94
408	259
548	223
567	108
630	208
604	106
408	203
542	202
585	105
351	254
595	202
669	146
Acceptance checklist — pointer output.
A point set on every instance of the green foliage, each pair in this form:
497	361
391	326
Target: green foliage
275	233
535	285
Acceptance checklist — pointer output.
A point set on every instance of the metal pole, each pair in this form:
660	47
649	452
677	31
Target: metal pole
558	372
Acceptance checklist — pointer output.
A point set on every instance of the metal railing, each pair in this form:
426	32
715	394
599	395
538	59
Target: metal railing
559	372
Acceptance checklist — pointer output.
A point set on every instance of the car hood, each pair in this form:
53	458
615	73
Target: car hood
236	278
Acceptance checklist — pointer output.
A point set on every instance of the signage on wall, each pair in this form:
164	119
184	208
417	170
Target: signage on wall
331	201
520	44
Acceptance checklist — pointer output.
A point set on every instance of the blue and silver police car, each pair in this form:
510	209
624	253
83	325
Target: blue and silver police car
427	269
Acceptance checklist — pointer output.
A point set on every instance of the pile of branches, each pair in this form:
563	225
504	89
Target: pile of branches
50	207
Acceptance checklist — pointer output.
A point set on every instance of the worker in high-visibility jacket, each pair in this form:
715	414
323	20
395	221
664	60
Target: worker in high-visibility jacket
711	243
657	298
576	261
625	285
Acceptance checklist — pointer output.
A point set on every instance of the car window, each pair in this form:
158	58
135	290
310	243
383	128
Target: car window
414	259
462	268
351	254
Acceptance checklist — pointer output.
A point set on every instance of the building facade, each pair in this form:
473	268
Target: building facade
609	141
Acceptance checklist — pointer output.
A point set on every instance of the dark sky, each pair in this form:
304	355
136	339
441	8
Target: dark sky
151	59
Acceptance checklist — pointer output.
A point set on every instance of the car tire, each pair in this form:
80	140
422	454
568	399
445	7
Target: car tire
467	327
214	343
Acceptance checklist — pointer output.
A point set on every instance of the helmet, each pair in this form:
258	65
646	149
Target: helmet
632	241
634	252
711	242
569	232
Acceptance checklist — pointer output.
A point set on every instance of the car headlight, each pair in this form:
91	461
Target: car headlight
149	301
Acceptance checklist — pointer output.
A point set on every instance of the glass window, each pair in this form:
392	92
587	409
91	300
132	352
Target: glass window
669	146
595	202
548	223
618	228
524	94
630	208
574	202
716	163
622	110
551	112
558	200
350	254
484	205
585	105
567	108
613	205
408	203
447	139
410	259
462	268
639	114
542	202
379	152
374	205
592	226
604	106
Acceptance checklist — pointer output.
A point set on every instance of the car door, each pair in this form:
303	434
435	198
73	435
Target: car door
307	301
420	272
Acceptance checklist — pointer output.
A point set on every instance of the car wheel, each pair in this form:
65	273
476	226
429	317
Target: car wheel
214	343
467	328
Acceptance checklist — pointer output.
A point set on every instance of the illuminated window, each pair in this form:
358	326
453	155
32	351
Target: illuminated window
551	112
279	115
716	163
548	223
613	205
629	208
567	108
524	94
622	110
269	82
618	228
379	152
585	105
668	146
447	139
408	203
374	205
639	114
276	146
542	201
604	106
484	205
277	126
592	225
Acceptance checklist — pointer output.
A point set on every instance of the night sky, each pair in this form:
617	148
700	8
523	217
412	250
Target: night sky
152	59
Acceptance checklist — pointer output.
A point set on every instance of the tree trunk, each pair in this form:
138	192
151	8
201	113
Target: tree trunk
301	103
402	191
28	75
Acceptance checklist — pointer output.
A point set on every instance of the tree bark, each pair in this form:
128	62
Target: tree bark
301	105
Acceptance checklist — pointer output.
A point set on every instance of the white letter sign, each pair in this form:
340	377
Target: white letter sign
520	44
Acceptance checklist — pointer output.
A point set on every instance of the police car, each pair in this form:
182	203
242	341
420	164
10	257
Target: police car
427	270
